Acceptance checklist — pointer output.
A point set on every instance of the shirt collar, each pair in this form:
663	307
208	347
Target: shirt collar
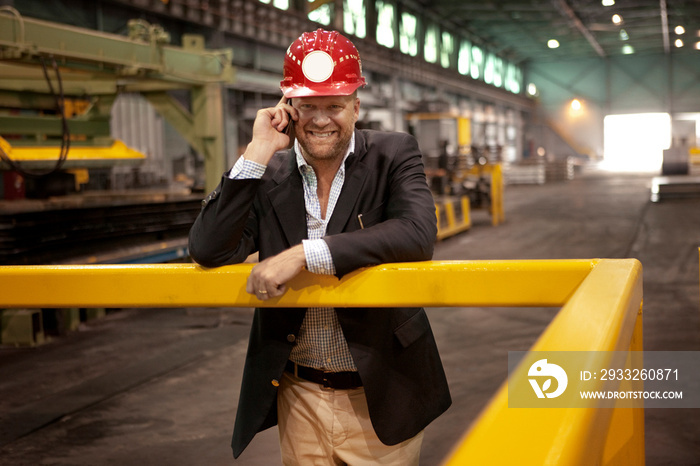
301	162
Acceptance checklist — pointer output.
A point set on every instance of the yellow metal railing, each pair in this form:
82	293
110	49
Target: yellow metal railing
602	314
601	311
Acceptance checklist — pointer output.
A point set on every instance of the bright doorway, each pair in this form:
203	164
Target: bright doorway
635	143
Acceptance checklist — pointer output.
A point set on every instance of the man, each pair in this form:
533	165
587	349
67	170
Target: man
347	386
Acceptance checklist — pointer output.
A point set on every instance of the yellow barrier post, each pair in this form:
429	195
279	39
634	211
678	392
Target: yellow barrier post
495	172
497	212
601	312
453	225
466	212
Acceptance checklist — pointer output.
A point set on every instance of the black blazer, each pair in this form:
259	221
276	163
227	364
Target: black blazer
393	349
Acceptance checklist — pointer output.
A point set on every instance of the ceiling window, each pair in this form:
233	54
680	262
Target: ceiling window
499	72
430	46
477	62
386	20
447	48
488	69
464	57
493	70
354	18
408	31
281	4
320	12
513	79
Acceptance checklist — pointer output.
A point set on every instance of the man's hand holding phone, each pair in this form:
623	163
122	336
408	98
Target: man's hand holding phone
272	131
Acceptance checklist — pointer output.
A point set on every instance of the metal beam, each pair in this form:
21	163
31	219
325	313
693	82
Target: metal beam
203	128
664	26
208	115
24	39
571	15
177	115
52	125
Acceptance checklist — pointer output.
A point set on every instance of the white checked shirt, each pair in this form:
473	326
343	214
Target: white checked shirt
320	343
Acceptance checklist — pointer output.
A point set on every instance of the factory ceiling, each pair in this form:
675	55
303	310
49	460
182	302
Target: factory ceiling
522	30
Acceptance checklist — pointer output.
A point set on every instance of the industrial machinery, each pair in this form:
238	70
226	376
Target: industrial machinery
461	175
680	169
57	87
58	84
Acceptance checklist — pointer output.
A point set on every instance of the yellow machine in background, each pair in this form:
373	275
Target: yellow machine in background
58	84
81	157
461	176
694	161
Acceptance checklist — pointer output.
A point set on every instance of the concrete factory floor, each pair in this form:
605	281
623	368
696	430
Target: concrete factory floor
160	387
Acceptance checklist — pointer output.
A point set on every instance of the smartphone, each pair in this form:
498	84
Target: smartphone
288	129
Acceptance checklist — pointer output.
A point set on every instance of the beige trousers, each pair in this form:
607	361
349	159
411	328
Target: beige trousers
319	426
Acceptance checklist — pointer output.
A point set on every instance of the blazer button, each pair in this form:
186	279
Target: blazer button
291	338
275	383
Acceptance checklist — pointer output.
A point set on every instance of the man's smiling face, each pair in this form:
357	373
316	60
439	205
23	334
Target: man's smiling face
325	125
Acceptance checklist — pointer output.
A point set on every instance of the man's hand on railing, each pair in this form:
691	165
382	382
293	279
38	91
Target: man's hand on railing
269	278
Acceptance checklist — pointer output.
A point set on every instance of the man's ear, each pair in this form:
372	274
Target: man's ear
356	108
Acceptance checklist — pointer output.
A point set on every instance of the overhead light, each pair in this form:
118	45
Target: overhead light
617	19
697	46
532	89
608	2
680	30
678	43
575	105
624	35
627	49
552	43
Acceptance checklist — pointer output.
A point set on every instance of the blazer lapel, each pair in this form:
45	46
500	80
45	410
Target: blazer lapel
355	174
287	199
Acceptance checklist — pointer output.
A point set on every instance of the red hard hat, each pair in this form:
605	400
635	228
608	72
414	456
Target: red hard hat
321	63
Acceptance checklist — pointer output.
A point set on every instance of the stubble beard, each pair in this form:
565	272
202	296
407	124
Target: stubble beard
322	153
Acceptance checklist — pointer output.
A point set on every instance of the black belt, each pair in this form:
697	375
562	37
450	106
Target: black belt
339	380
